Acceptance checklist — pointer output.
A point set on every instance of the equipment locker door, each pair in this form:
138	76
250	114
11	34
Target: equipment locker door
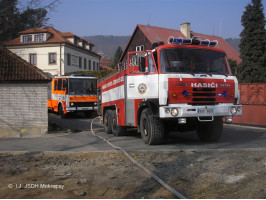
140	86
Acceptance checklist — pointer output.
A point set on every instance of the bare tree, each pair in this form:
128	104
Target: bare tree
36	4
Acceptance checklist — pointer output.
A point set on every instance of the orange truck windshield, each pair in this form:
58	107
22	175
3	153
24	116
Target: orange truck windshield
82	86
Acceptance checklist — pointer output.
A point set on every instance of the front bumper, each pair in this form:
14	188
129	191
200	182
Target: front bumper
72	109
185	110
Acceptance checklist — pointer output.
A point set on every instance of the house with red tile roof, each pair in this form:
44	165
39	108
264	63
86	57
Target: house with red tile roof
105	63
23	99
55	52
144	36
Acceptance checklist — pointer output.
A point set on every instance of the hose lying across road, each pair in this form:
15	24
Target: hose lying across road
178	194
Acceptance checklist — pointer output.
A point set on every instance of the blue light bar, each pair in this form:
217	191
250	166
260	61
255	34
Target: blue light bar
208	43
172	40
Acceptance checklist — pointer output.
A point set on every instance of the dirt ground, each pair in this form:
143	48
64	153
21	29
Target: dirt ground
225	174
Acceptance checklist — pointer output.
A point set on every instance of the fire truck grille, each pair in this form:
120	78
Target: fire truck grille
82	104
203	96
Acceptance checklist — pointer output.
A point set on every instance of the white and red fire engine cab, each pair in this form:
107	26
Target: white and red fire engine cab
181	86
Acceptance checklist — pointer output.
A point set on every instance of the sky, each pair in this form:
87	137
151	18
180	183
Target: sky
120	17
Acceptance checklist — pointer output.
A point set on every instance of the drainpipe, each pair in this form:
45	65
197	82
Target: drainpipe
60	65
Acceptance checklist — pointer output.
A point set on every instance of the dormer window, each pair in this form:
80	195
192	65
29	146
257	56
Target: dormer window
140	48
26	38
75	41
39	37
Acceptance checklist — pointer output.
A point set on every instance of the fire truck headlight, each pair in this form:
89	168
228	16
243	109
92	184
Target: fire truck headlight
95	104
167	110
71	104
174	112
233	110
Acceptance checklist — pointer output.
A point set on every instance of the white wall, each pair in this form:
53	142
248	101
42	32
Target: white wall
75	61
42	57
54	69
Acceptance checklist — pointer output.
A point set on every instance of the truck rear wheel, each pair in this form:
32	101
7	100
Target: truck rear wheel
151	128
210	131
107	122
117	130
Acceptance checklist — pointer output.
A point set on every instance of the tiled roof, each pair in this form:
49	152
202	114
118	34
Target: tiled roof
56	36
155	34
222	44
33	30
105	67
67	34
14	69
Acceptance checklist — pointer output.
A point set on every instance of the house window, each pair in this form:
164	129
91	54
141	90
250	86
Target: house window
80	62
26	38
85	63
69	59
90	65
39	38
93	66
33	59
140	48
52	58
97	64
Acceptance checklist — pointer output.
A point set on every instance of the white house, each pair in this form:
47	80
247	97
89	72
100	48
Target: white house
55	52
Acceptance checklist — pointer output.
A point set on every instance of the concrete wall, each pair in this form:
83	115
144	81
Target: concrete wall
23	110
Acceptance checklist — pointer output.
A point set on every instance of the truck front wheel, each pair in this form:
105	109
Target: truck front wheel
151	128
210	131
61	111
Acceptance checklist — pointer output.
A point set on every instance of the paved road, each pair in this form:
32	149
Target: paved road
82	140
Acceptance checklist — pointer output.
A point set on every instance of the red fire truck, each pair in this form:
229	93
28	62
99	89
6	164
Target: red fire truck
76	93
181	86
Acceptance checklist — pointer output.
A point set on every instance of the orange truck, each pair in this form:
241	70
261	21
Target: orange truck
75	93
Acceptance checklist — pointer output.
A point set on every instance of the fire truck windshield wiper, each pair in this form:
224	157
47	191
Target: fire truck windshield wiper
217	72
200	72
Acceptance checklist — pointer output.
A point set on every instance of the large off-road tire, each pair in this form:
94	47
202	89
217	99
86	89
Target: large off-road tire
61	111
151	128
107	122
117	130
210	131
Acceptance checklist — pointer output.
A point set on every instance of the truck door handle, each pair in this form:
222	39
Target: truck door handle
131	85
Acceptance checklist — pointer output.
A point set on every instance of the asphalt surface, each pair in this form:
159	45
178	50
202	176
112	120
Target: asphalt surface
79	138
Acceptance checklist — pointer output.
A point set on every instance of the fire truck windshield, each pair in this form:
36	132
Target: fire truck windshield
79	86
190	60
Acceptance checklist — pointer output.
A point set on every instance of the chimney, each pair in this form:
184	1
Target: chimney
185	29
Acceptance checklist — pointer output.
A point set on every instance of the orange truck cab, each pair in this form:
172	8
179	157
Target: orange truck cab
76	93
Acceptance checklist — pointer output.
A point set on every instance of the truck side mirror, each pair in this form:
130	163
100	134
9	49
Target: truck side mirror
142	64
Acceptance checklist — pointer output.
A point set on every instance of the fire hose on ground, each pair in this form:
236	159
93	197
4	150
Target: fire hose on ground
154	176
